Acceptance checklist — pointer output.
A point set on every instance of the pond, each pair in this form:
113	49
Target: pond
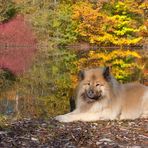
45	88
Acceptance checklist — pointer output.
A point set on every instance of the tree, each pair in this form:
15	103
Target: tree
18	45
109	23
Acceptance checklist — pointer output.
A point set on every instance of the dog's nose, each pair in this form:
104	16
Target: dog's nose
91	94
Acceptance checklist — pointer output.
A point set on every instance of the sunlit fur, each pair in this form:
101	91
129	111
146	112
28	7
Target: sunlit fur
111	101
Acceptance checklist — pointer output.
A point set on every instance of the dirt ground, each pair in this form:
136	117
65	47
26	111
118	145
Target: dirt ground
41	133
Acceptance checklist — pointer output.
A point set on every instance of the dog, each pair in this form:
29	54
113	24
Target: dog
99	96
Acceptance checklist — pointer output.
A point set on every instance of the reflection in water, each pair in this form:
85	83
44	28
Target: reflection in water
45	89
7	107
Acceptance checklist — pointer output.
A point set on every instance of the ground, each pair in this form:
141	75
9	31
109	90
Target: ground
41	133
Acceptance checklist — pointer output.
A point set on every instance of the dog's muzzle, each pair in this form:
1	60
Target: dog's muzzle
91	94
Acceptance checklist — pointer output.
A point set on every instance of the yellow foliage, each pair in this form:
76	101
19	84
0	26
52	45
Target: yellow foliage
100	25
123	63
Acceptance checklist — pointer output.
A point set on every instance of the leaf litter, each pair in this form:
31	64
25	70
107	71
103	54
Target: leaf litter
43	133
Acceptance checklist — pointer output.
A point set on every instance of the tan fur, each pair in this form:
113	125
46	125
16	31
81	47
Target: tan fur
117	101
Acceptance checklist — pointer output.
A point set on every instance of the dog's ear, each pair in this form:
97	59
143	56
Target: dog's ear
81	75
106	73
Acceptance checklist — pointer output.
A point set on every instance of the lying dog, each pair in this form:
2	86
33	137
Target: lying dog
100	97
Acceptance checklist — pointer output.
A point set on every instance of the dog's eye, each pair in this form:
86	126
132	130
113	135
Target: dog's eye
97	84
87	83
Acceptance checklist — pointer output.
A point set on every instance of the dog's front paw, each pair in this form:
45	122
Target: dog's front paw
62	118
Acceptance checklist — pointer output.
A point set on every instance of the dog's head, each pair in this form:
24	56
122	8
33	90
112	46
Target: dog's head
94	84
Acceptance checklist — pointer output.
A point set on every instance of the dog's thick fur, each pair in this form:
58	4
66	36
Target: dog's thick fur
100	97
